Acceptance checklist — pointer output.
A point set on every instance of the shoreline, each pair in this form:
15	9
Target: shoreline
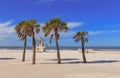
61	48
68	49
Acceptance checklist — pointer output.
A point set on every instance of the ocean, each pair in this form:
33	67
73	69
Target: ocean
61	48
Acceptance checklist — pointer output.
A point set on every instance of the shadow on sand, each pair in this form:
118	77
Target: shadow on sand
104	61
7	58
65	59
89	62
78	61
92	62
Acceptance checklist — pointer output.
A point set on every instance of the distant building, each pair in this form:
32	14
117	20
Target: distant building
40	45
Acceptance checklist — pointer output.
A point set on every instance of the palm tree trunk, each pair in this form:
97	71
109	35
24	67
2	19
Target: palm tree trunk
24	51
58	52
34	50
83	53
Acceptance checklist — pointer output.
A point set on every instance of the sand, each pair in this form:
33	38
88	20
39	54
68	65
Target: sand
101	64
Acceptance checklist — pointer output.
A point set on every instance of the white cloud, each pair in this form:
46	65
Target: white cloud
70	24
68	34
74	24
103	32
5	24
6	29
42	24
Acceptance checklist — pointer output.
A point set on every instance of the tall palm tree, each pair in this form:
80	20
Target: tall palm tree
80	36
55	26
34	27
22	31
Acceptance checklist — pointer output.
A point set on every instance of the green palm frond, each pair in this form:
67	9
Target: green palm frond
80	36
21	29
55	22
86	40
55	26
51	38
37	28
77	40
47	28
34	27
26	28
63	27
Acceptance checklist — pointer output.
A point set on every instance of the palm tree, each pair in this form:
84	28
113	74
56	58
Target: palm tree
21	30
80	37
34	27
55	26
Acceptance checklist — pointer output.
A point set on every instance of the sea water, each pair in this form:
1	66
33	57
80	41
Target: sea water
61	48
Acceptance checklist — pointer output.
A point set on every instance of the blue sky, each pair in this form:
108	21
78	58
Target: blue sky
101	18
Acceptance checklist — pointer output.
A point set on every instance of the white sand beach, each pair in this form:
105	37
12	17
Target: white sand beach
101	64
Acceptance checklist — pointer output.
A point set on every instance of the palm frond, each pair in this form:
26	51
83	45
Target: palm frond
63	26
51	38
86	40
77	40
37	28
79	36
55	26
27	28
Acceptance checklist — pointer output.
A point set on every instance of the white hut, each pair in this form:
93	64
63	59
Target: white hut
40	45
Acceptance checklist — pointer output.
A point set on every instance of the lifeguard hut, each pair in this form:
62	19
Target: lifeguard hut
40	45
